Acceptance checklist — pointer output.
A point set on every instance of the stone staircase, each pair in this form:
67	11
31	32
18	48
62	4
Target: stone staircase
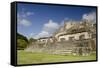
62	48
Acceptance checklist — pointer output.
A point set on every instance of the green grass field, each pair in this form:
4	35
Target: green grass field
35	58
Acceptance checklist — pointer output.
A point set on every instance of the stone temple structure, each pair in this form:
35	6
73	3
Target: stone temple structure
74	37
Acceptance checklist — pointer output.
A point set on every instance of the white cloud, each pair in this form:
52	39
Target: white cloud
24	22
22	18
29	13
43	34
51	26
90	17
48	29
26	14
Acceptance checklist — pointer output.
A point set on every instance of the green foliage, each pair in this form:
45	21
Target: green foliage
22	41
21	44
19	36
32	40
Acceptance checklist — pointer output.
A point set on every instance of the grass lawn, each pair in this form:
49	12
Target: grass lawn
35	58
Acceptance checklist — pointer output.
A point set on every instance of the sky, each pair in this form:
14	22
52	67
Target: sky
37	20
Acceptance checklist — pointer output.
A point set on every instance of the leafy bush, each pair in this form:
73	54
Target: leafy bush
19	36
22	41
21	44
32	40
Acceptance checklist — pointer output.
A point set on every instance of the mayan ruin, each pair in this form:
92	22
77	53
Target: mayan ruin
74	37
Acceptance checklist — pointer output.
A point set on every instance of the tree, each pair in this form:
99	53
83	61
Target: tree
21	44
32	40
19	36
22	41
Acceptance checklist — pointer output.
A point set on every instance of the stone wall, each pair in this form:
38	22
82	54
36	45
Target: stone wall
75	36
63	48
